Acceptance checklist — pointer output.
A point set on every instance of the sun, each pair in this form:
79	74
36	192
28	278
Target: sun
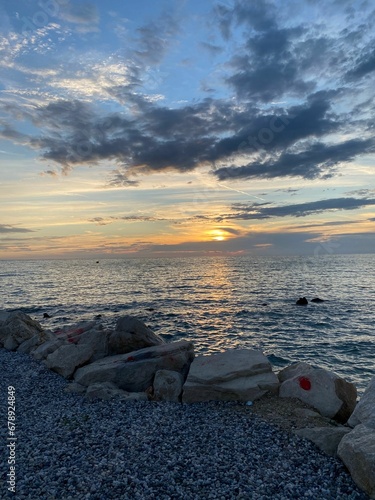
217	235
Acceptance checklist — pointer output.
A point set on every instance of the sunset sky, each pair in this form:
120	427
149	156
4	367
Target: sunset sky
186	127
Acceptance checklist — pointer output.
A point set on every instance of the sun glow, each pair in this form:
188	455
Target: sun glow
217	235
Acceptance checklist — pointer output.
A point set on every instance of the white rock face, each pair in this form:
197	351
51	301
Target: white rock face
364	412
67	358
167	385
237	374
131	334
331	395
357	451
135	371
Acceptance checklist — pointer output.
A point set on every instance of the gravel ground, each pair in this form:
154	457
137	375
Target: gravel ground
68	448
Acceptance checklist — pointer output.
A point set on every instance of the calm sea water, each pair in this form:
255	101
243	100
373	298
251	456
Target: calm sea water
217	302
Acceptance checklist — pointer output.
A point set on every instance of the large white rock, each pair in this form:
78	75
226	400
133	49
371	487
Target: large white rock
67	358
331	395
167	385
135	371
325	438
237	374
364	412
97	339
357	451
131	334
16	327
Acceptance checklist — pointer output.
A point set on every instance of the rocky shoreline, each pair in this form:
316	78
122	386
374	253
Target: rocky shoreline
135	371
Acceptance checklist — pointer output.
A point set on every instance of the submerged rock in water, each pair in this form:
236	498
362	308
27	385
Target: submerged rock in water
302	301
317	300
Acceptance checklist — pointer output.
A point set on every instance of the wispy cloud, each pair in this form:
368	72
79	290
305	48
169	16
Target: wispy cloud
265	211
6	228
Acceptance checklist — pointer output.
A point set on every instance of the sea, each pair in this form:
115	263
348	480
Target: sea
217	302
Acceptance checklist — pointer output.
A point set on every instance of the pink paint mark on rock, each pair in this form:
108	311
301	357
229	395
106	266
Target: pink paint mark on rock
304	383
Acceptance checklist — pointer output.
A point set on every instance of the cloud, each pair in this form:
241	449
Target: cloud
79	13
365	64
155	38
253	134
6	228
269	67
103	221
265	211
317	160
212	49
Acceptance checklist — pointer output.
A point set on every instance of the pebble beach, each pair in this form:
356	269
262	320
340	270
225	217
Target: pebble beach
71	449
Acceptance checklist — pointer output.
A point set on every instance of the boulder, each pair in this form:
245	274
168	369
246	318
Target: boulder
357	451
107	391
135	371
42	351
364	412
331	395
97	338
67	358
302	301
16	327
234	375
30	344
131	334
326	439
72	333
167	385
317	300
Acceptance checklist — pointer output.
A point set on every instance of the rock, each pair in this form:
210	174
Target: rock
306	413
16	327
29	344
317	300
331	395
72	333
46	315
326	439
107	391
67	358
130	335
364	412
167	385
42	351
97	338
302	301
234	375
75	388
135	371
357	451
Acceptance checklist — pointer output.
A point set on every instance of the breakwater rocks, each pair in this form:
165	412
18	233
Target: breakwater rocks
133	363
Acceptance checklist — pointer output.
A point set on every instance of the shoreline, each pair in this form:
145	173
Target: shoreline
71	448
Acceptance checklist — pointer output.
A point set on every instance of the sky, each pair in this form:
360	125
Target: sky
186	127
